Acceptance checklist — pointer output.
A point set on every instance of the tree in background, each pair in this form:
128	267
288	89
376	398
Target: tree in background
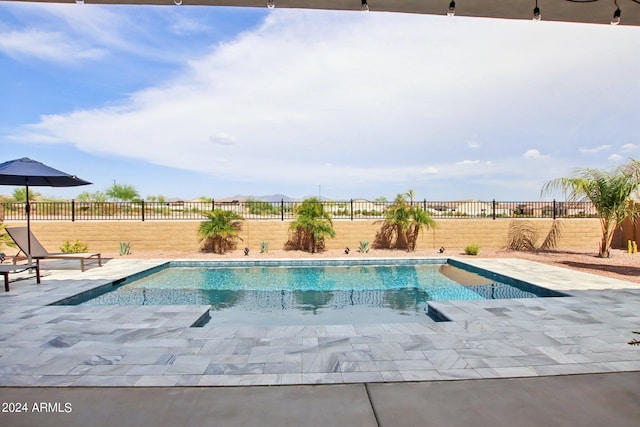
221	230
159	198
609	191
410	194
97	196
311	226
124	192
20	195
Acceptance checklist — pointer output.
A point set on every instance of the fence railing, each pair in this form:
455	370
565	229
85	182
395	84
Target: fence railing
284	210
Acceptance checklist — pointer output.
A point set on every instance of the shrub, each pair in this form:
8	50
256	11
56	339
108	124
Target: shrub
220	231
364	246
472	249
76	248
311	226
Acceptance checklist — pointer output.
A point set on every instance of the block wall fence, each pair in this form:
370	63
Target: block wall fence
454	234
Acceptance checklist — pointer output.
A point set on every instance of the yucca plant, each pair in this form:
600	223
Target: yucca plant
221	230
264	247
124	248
364	246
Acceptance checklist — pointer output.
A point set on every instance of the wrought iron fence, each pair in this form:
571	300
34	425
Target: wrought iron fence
284	210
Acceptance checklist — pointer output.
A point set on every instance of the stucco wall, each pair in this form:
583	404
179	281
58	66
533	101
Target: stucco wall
104	236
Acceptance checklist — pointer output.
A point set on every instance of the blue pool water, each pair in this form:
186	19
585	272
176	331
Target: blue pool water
277	292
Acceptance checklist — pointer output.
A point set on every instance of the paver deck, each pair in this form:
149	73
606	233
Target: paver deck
44	345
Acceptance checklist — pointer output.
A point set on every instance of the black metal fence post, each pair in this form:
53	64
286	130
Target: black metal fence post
424	205
281	209
351	209
554	209
142	210
73	210
493	208
213	205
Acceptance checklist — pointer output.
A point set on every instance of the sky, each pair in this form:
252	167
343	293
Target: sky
189	101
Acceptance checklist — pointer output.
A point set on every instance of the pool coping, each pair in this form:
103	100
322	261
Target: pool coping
154	346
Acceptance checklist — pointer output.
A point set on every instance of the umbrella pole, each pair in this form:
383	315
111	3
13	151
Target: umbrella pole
28	210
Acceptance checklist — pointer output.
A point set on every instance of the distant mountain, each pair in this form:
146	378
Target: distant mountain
267	198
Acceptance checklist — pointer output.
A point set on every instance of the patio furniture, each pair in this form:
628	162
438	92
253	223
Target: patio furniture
5	269
38	252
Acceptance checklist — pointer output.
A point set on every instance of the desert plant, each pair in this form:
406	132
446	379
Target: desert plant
402	225
264	247
609	191
124	248
257	207
364	246
472	249
522	236
75	248
551	241
311	226
220	232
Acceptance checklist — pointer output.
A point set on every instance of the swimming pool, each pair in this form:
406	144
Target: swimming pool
325	291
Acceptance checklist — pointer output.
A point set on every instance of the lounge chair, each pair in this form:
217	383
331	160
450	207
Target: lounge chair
5	269
38	252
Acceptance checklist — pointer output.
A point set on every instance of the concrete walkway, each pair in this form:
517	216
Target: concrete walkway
597	400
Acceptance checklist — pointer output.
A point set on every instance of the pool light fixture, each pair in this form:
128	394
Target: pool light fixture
452	8
365	6
271	4
79	1
616	15
177	2
536	13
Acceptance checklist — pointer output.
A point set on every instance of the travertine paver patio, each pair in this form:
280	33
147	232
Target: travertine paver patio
46	345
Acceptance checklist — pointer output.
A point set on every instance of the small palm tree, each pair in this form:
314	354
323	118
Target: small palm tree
311	226
220	231
402	225
610	193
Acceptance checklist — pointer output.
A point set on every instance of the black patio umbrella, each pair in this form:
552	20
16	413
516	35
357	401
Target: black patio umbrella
29	172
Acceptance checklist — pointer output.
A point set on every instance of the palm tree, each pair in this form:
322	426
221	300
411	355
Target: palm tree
410	194
610	193
220	231
403	223
311	226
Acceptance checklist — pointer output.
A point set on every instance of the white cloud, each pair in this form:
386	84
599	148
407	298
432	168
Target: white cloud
43	45
223	139
615	158
535	154
374	95
595	149
473	142
468	162
627	148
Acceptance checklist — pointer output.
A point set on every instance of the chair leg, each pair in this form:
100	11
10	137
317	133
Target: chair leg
6	282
